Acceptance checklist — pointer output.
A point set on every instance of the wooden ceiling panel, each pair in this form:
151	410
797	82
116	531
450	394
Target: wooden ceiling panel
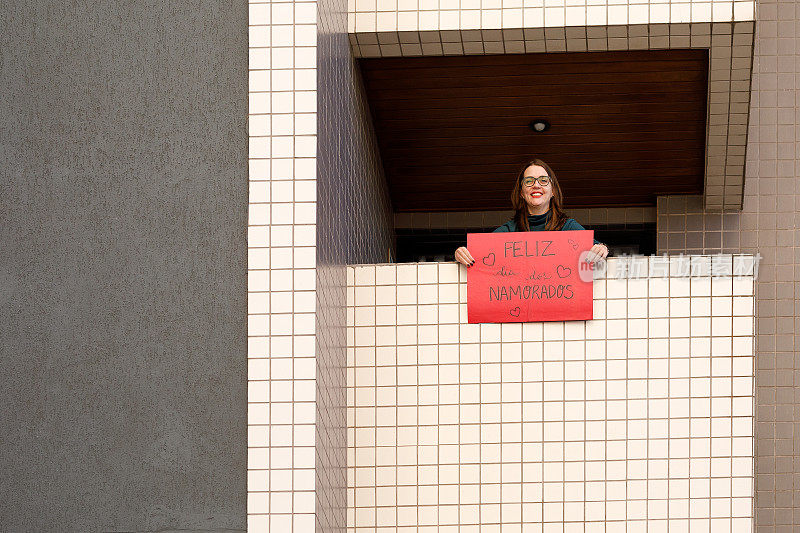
626	127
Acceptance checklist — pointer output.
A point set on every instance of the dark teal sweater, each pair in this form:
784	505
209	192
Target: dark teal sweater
538	222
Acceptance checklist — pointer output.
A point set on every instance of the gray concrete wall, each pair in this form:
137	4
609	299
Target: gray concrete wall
123	207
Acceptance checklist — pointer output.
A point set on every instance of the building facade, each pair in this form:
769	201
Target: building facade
319	202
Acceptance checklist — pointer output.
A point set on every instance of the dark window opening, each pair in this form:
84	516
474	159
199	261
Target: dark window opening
417	245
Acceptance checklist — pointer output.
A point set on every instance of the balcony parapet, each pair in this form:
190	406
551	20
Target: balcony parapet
641	418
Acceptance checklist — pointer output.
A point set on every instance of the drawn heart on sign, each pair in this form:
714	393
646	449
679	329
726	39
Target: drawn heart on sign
514	311
489	259
573	244
563	271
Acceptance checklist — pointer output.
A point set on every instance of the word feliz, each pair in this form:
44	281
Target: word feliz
522	249
526	249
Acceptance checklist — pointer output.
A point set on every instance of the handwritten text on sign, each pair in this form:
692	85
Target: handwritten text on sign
529	276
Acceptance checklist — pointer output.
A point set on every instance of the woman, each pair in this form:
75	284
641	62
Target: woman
537	202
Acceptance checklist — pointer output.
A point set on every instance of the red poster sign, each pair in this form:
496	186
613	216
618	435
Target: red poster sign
533	276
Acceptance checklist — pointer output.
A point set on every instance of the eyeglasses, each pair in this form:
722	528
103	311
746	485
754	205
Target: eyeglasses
544	181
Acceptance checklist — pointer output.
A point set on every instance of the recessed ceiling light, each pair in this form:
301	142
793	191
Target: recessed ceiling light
539	125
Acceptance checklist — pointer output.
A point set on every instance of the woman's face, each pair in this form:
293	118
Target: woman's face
537	196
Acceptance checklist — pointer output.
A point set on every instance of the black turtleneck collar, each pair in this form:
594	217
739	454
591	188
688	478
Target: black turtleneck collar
537	219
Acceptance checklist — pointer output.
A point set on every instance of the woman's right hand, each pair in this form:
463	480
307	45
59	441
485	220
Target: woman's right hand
464	257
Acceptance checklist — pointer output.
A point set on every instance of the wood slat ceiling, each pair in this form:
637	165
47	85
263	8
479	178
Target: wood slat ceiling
626	127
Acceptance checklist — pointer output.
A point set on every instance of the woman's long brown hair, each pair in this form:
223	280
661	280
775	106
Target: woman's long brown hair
557	216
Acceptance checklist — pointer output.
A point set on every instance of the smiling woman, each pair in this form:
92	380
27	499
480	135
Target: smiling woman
537	201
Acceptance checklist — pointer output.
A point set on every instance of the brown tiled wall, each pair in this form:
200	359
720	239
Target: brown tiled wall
768	226
354	225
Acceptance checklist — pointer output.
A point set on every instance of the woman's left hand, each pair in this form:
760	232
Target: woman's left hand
596	253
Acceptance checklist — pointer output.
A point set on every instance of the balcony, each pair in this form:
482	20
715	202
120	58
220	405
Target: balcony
640	420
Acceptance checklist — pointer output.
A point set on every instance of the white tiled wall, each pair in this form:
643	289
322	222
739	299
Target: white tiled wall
354	225
459	15
296	318
282	227
639	420
769	224
281	266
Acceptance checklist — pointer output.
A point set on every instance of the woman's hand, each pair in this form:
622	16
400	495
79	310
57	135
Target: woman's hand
464	257
596	253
